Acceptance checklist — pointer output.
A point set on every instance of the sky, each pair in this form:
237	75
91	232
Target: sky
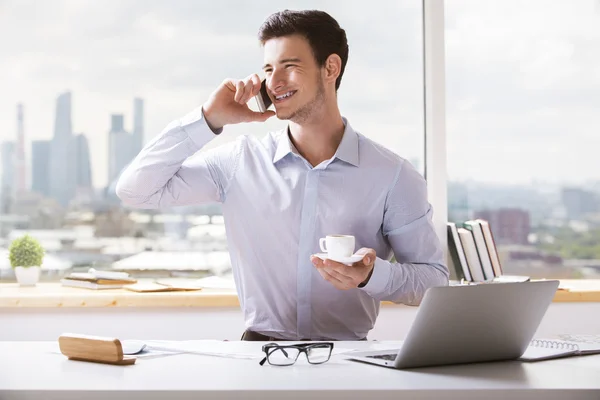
523	78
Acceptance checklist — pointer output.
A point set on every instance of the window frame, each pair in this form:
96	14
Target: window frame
434	103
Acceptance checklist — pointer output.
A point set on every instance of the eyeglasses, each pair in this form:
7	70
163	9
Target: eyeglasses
316	353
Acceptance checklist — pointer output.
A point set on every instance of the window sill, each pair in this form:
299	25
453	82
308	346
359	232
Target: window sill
53	295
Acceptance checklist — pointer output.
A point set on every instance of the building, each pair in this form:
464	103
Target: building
7	152
509	225
21	169
119	147
138	127
578	202
7	188
62	176
40	166
83	168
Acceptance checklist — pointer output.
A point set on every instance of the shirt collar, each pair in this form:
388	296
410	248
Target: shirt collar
284	146
347	150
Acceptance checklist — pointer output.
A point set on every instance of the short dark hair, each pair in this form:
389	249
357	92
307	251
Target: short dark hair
324	34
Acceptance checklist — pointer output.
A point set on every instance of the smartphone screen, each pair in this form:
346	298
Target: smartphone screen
264	96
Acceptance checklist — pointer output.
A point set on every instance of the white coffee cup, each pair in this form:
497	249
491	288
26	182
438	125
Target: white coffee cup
337	246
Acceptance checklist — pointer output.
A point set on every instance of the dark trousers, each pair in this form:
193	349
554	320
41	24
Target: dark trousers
249	335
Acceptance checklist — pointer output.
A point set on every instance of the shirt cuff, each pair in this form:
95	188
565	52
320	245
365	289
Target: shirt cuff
379	278
194	124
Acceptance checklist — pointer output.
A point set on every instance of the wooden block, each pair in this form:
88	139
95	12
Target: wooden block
93	349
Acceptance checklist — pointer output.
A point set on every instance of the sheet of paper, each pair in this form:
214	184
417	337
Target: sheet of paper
216	282
147	349
215	348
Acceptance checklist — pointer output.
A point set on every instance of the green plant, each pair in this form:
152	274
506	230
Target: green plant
25	251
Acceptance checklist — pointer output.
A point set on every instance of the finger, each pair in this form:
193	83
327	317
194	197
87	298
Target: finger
252	116
369	255
256	82
239	91
317	262
341	268
329	278
230	84
346	280
248	89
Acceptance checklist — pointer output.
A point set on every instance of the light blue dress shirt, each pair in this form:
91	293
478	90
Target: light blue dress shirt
276	206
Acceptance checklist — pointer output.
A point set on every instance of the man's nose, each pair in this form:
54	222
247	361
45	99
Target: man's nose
275	81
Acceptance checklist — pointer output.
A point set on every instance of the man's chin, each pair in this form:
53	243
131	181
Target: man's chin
283	115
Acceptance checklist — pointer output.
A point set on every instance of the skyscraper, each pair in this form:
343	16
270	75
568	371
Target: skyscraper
82	165
119	147
21	184
62	171
138	127
7	152
40	167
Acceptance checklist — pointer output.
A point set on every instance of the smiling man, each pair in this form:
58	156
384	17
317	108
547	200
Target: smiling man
281	194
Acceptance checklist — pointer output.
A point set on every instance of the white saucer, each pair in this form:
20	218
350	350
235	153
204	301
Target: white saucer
346	260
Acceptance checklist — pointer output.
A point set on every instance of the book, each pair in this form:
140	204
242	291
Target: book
84	277
482	249
94	279
112	275
151	287
469	246
491	246
548	349
490	243
89	284
457	253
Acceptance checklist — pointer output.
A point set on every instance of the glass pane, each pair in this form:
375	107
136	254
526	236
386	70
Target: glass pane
110	76
283	356
523	90
318	354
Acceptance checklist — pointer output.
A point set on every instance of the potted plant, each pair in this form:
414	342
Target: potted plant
26	255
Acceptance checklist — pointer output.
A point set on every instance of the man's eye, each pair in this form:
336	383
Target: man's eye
289	65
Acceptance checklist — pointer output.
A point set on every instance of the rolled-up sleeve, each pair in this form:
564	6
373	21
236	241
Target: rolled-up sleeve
408	226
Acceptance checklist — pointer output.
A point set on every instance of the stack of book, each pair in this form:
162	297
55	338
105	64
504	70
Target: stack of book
474	253
94	279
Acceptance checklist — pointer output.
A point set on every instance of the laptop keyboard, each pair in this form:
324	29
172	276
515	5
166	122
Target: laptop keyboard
390	357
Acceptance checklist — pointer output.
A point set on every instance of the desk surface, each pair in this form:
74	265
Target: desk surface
30	369
53	295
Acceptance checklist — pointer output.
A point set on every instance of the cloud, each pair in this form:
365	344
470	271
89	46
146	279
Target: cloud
517	72
523	90
173	54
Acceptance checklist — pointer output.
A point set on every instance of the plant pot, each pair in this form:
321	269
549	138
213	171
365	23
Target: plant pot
27	276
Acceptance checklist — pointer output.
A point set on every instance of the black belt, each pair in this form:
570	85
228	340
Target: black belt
249	335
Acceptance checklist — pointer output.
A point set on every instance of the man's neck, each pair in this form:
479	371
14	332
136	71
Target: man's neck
317	140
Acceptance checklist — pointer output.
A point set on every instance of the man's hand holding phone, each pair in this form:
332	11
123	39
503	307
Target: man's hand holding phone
228	103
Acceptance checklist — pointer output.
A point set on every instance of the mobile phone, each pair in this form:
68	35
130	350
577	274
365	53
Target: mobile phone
262	99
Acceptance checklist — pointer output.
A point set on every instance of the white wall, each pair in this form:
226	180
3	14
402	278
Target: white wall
226	323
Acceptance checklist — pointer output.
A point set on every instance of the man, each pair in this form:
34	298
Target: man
281	194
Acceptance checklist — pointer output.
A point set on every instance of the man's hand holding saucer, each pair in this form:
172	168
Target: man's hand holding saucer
344	276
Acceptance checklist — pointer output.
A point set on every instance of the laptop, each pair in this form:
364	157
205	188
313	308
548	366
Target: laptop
469	324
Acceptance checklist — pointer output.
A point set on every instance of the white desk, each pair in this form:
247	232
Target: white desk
29	370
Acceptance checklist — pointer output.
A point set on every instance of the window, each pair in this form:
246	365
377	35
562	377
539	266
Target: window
94	81
523	91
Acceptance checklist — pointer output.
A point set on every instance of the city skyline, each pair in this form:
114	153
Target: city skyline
136	136
517	110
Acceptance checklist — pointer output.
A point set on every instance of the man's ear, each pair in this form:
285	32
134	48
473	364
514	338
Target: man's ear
333	67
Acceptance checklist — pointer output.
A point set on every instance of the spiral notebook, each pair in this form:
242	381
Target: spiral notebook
547	349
